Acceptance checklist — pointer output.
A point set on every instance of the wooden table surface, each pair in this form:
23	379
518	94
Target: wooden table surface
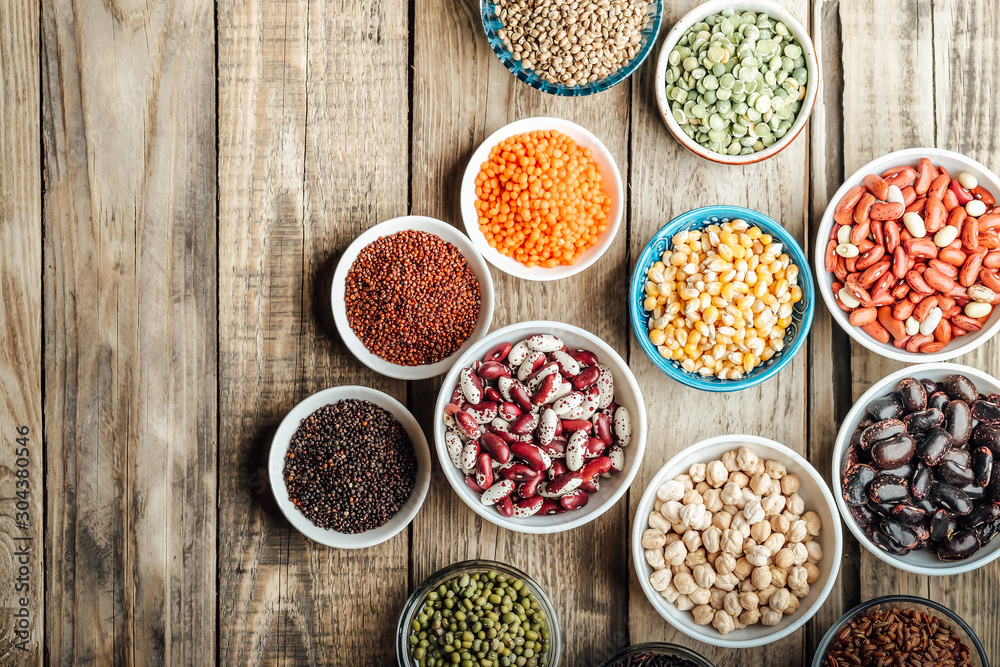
178	179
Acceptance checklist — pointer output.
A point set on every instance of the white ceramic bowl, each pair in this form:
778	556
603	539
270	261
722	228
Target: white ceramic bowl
423	224
611	179
283	437
627	394
954	163
697	15
924	561
817	498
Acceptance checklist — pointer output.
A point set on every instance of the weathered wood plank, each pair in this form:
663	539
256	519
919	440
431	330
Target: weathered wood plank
455	107
683	416
22	594
965	114
884	41
313	150
829	377
130	284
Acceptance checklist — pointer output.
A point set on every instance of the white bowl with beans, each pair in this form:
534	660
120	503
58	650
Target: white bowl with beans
815	496
956	164
446	233
698	15
626	394
611	181
283	438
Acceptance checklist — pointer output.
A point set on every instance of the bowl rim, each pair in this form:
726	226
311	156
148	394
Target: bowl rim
410	607
282	439
581	136
670	649
538	83
840	450
900	600
446	233
805	282
812	66
646	503
590	512
824	282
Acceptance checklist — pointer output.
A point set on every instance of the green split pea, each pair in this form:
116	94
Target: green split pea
735	82
484	619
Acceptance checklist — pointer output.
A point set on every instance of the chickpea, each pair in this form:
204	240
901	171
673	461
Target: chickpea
815	552
671	511
732	541
692	540
780	524
711	558
684	583
793	603
764	595
748	496
779	577
740	524
653	539
746	458
746	586
780	600
791	516
670	594
748	544
692	514
726	582
743	568
672	490
725	563
731	508
739	479
731	493
799	553
711	539
769	616
784	558
702	487
774	542
760	531
692	497
799	591
754	513
729	459
731	604
655	559
773	505
761	577
697	472
697	557
797	532
679	528
684	603
795	504
713	500
704	576
675	552
790	484
757	468
813	523
660	579
759	555
701	596
760	484
716	473
686	482
718	598
797	576
775	469
657	504
703	614
723	519
657	521
750	616
723	622
671	537
812	573
749	600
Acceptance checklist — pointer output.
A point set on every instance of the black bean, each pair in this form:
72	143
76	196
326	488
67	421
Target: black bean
856	481
923	420
887	407
959	387
912	394
958	421
894	451
986	411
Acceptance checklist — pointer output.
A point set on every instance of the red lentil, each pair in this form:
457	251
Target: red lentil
350	466
411	298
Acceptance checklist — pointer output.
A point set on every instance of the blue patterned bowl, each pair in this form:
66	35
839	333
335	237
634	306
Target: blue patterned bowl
492	26
802	315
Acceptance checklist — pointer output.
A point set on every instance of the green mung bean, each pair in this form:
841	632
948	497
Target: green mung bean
736	82
497	621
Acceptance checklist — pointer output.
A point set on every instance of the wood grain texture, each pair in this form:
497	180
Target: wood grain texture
884	41
22	621
454	109
965	62
679	416
130	298
313	151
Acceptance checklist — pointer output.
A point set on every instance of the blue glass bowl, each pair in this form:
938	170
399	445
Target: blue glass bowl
492	26
802	314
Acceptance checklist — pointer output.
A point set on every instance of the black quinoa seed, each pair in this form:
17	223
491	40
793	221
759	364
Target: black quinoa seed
350	466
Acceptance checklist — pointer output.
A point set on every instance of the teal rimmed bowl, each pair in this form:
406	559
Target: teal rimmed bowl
492	26
802	314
